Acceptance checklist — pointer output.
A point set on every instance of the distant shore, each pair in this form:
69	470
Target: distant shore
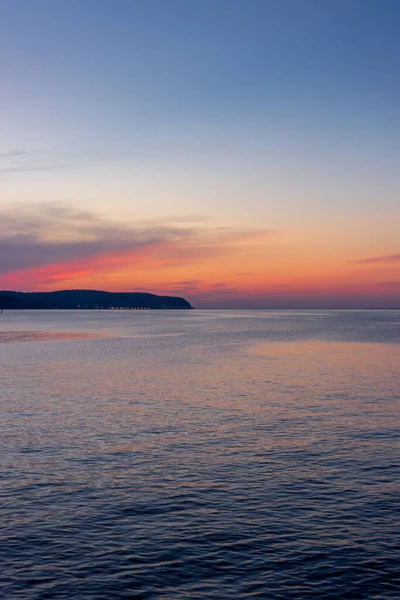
89	300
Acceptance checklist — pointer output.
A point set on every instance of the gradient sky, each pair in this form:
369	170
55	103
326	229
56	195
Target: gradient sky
241	153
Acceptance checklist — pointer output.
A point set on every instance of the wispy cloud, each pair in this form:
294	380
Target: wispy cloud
388	284
12	153
19	161
390	258
49	235
69	241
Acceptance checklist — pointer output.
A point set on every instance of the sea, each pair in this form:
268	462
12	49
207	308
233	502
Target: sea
192	455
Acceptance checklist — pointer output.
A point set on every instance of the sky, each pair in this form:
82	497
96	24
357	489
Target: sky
239	153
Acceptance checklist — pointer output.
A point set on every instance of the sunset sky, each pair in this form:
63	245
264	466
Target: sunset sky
239	153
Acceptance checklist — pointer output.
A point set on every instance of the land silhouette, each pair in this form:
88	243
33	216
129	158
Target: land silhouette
89	300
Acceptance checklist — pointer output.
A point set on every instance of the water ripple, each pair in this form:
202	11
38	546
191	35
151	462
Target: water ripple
200	457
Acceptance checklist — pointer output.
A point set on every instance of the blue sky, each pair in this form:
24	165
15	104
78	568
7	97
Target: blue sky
132	67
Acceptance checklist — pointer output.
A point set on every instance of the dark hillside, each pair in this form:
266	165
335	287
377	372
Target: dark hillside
89	299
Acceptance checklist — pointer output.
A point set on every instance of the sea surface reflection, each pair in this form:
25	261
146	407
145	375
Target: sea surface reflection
199	454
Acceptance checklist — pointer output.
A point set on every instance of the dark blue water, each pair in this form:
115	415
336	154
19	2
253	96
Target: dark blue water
199	455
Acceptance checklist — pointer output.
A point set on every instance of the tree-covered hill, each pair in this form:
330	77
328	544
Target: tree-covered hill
89	299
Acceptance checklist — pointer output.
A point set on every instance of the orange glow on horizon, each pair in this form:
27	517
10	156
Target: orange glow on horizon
241	271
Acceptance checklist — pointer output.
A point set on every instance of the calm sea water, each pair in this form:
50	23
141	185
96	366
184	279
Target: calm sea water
199	455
